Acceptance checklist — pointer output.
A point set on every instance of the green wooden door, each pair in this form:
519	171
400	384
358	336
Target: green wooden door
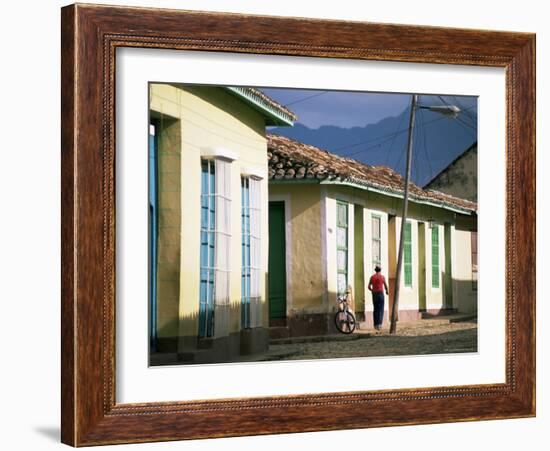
277	261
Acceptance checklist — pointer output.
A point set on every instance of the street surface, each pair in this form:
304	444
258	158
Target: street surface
432	336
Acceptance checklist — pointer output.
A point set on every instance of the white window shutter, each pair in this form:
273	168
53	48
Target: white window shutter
255	253
223	246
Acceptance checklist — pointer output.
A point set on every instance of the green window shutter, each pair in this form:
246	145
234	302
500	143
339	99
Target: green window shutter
407	254
435	256
342	247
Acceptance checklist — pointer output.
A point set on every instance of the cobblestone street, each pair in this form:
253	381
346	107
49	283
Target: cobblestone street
431	336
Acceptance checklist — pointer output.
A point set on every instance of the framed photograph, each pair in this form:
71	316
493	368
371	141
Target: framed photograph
278	225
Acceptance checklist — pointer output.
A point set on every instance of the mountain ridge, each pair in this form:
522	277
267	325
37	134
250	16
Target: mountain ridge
438	140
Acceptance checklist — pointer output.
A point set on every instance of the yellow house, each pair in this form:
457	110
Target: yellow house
333	219
208	198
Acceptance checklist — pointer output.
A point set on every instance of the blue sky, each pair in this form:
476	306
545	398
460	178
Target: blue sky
372	127
340	108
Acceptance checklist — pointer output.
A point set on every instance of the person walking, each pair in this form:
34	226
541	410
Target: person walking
378	285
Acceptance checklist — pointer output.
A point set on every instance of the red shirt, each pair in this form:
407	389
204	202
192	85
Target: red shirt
377	281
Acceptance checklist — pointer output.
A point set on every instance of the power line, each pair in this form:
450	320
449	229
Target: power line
368	148
460	121
390	135
425	145
457	118
400	158
393	140
468	113
415	157
466	127
306	98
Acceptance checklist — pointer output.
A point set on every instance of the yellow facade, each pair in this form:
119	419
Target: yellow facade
211	122
306	292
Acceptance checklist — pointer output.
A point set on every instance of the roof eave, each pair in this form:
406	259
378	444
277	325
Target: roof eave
273	115
388	192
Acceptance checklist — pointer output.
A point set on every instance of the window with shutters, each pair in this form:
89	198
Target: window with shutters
250	263
407	255
215	246
342	247
435	256
473	241
376	221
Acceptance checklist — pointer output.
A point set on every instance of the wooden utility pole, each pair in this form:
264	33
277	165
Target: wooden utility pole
395	308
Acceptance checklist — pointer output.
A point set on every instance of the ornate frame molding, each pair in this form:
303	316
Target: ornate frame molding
90	36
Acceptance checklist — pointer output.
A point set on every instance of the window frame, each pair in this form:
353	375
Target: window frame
153	233
408	265
435	263
345	272
251	217
245	252
376	216
474	239
207	305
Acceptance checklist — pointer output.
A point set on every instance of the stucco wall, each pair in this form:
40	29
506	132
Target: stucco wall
434	295
460	178
464	294
305	282
408	295
168	136
388	208
369	211
212	118
317	206
370	206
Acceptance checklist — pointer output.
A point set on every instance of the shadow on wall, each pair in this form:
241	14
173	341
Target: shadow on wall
226	339
465	295
316	319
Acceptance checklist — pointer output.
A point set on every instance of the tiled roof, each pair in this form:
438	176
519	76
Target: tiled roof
293	160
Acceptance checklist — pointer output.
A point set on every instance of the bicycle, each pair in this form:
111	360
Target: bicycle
344	319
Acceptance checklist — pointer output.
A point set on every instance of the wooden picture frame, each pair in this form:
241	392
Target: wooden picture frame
90	36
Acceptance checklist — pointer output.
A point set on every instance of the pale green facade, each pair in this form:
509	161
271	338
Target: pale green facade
440	272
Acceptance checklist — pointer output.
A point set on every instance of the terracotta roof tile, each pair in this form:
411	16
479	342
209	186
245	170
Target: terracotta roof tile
289	159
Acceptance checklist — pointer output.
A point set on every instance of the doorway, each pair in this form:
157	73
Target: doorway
277	261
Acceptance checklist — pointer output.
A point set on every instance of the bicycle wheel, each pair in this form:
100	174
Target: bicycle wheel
344	322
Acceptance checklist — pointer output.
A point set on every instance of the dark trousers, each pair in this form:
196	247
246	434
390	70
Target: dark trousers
378	303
